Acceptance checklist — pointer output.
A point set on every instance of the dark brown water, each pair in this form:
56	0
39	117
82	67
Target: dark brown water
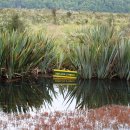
47	95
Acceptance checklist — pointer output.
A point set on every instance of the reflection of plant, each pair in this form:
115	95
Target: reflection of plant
25	95
95	93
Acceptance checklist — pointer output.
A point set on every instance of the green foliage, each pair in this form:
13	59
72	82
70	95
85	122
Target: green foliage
86	5
15	23
123	58
20	53
95	51
99	52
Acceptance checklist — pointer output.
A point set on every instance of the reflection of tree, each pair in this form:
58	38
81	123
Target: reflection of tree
24	95
96	93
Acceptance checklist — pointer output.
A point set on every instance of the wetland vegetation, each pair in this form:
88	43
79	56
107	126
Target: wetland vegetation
96	45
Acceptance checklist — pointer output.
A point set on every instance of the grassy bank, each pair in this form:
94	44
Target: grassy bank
95	44
101	52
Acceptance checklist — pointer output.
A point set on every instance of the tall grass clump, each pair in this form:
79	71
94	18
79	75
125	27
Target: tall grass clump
123	59
62	60
20	53
99	52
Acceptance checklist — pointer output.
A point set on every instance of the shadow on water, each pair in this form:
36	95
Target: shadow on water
97	93
25	95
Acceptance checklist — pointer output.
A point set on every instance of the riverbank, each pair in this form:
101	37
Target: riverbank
106	117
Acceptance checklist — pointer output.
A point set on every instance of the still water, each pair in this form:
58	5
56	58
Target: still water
47	95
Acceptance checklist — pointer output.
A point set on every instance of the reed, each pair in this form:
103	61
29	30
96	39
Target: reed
20	53
123	58
100	52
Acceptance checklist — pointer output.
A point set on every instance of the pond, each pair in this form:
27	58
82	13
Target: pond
35	96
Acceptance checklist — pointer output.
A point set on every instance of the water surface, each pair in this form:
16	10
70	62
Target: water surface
47	95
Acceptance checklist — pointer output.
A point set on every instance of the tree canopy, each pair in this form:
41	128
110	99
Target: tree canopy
120	6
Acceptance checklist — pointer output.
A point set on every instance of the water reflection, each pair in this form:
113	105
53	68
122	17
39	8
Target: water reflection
25	95
22	96
96	93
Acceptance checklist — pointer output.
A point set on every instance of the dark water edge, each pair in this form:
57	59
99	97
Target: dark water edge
49	95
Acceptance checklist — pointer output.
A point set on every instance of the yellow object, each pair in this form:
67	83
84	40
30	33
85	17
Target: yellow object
67	74
65	71
63	77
